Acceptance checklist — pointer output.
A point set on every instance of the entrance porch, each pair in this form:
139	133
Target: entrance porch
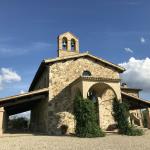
104	91
35	101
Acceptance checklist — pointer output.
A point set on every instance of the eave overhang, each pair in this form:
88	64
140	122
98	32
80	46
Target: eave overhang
134	102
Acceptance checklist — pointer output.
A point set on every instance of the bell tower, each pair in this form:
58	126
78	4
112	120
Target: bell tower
68	44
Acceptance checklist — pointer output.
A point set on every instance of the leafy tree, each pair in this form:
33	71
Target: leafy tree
121	114
86	118
19	123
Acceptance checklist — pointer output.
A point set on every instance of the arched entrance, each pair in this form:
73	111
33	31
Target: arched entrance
103	95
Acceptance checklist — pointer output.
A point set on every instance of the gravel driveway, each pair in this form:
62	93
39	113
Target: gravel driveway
110	142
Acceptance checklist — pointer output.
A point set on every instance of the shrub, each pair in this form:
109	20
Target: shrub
19	123
86	118
121	114
132	131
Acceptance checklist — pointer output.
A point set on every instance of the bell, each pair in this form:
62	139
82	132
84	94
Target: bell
64	43
72	44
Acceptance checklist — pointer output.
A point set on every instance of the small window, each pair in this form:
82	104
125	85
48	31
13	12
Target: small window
64	43
86	73
73	45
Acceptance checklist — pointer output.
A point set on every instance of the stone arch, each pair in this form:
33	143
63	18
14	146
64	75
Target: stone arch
102	86
105	95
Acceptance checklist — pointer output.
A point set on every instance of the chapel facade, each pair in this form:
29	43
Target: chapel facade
56	83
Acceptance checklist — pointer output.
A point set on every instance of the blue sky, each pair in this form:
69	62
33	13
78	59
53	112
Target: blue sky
117	30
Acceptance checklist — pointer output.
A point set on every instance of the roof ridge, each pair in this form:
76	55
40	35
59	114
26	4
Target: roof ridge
84	54
65	57
47	61
25	94
69	33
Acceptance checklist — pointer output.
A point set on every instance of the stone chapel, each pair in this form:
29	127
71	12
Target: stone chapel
51	94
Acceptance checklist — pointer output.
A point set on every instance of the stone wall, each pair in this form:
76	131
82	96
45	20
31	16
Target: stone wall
69	37
64	53
106	110
64	73
43	81
61	75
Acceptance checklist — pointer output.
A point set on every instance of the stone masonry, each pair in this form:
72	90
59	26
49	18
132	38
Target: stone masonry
57	81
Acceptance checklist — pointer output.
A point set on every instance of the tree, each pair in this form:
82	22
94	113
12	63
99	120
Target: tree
86	118
19	123
121	114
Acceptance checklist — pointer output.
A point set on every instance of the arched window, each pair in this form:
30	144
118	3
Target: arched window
73	45
64	43
86	73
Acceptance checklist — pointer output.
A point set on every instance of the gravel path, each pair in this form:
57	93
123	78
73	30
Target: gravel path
110	142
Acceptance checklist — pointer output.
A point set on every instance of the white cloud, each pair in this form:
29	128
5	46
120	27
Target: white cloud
128	50
7	75
137	73
142	40
24	115
22	92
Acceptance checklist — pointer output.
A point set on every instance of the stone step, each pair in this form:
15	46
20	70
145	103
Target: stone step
111	132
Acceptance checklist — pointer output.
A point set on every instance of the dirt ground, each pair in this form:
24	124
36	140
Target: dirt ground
40	142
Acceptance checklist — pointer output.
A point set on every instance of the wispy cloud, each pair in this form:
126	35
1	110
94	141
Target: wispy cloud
24	114
7	76
9	50
142	40
22	92
39	45
128	50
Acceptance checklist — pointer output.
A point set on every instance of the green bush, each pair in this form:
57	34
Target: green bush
132	131
18	123
121	114
86	118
